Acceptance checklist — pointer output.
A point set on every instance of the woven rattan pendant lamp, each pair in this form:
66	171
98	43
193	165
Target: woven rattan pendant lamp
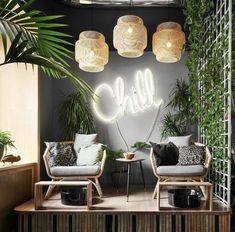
168	42
130	36
91	51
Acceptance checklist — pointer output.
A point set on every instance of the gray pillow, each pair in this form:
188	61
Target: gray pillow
61	154
90	154
83	140
180	140
191	155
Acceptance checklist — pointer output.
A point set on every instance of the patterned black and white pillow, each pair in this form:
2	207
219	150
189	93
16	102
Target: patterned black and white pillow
61	154
191	155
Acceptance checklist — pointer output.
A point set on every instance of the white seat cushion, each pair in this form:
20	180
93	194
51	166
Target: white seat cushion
61	171
178	170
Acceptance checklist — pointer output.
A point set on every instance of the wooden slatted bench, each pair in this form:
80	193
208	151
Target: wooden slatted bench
208	185
38	194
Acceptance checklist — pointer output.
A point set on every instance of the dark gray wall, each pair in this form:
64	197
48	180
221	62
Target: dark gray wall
53	92
134	127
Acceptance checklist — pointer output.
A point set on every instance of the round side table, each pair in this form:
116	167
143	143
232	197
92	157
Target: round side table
129	162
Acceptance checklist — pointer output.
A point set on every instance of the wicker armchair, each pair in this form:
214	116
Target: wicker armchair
180	172
87	173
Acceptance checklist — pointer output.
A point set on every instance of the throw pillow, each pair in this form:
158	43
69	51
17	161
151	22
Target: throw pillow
191	155
180	140
90	154
166	154
83	140
61	154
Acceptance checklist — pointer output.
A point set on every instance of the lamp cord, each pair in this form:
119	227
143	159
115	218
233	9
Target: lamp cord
149	133
121	135
130	6
92	15
168	17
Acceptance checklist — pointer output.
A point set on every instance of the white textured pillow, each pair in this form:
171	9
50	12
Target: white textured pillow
83	140
180	141
90	154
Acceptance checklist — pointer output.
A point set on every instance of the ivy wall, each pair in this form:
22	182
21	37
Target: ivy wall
209	24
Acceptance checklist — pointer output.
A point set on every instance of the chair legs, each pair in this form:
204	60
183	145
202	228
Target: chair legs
49	191
203	189
98	188
155	191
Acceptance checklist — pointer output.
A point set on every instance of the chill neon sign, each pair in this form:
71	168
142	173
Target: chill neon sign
141	96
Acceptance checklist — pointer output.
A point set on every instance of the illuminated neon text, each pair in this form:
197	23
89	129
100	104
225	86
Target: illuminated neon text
141	96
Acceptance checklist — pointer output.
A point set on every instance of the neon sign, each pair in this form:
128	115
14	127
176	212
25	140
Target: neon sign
141	96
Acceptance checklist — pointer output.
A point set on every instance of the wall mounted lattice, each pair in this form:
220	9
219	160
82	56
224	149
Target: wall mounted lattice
214	85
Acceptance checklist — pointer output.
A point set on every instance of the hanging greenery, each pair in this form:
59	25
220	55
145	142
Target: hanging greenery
233	50
207	68
195	12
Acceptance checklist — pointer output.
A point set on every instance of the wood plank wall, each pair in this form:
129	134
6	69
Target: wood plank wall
125	222
16	187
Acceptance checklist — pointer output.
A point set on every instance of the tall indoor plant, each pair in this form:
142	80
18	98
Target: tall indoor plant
5	140
177	122
30	37
76	116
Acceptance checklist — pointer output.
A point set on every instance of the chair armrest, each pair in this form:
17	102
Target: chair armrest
153	162
103	160
208	157
104	156
45	159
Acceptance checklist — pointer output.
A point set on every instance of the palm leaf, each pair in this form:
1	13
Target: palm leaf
171	126
76	116
179	95
18	53
44	47
180	100
34	26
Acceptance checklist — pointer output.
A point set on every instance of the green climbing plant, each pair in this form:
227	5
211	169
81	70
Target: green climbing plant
207	68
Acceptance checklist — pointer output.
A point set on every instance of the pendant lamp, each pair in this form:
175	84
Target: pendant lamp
168	42
91	51
130	36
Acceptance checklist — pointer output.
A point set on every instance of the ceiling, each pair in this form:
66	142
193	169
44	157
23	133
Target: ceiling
122	3
103	19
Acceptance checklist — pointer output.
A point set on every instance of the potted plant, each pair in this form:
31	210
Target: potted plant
5	140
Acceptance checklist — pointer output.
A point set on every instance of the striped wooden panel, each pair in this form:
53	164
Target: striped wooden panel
16	188
126	222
